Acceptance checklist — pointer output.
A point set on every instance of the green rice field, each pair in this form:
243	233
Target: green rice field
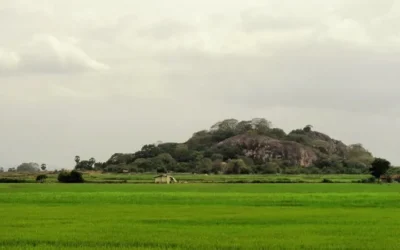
200	216
96	177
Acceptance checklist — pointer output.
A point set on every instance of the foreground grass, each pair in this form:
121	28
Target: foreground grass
199	216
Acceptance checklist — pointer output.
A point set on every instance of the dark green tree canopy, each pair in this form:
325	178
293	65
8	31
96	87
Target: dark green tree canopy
379	167
70	177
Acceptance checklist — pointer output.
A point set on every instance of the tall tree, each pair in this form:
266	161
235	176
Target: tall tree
92	161
225	125
84	165
43	167
243	127
261	125
1	169
77	159
307	128
379	167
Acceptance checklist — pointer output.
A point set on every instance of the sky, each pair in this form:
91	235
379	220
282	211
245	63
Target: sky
92	78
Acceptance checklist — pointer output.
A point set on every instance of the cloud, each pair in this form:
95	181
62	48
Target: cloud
9	60
47	54
166	29
329	75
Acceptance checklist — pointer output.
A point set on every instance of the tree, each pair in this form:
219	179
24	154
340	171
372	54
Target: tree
204	166
1	169
28	167
379	167
148	151
144	164
237	167
92	161
76	177
70	177
84	165
43	167
225	125
11	170
357	153
242	127
277	133
181	153
167	160
41	178
99	166
261	125
215	157
77	159
307	128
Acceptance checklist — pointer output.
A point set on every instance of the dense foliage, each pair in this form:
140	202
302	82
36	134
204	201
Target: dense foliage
28	167
41	178
224	149
70	177
380	167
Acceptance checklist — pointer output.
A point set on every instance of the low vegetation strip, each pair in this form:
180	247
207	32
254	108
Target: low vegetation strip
195	198
95	177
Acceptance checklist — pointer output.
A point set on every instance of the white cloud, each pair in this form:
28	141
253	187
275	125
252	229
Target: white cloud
9	60
48	54
347	30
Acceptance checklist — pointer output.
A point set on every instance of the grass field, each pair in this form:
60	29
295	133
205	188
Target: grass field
199	216
197	178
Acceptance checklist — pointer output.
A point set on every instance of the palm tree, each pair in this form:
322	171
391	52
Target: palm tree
43	167
77	159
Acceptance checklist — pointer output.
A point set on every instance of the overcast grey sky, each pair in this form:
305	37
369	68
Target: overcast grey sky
93	77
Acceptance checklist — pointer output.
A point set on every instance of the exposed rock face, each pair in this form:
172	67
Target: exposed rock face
327	145
265	148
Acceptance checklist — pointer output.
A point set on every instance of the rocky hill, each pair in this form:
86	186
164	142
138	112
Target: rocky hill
253	146
266	149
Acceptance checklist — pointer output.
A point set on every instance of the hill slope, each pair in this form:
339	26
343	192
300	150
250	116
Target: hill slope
253	146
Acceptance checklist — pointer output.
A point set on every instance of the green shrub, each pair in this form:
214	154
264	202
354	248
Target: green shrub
326	181
70	177
7	180
369	180
269	168
41	178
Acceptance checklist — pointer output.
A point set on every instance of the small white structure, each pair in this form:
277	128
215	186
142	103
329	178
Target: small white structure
164	178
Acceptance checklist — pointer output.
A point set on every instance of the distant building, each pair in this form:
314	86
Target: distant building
164	178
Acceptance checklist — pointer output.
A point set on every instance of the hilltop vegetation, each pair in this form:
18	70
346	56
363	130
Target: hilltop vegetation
244	147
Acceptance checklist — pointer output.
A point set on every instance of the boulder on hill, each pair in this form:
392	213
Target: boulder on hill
266	149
